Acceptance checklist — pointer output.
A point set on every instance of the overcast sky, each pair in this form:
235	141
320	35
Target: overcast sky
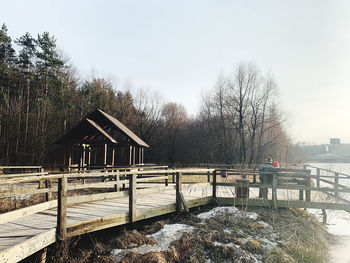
178	48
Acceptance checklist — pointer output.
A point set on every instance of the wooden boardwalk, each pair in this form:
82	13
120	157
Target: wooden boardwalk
26	231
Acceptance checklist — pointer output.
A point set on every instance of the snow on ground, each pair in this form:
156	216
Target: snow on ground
221	210
268	238
163	237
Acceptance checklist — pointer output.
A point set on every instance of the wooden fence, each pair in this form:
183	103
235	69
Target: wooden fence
63	190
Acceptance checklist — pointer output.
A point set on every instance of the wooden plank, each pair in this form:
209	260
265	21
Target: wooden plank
20	167
97	224
183	201
16	214
105	184
28	179
28	247
8	176
74	200
26	191
284	203
149	179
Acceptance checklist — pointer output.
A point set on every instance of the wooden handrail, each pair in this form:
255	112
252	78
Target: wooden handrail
327	170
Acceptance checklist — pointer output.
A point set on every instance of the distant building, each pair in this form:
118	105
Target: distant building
335	141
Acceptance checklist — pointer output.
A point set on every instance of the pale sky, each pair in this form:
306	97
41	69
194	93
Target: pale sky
178	48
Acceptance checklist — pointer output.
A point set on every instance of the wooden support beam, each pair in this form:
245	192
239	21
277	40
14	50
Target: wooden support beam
81	157
130	149
178	191
274	191
89	156
62	208
113	154
41	256
214	186
318	172
254	175
70	157
183	201
48	195
116	178
301	195
167	179
105	155
208	174
265	191
308	184
132	197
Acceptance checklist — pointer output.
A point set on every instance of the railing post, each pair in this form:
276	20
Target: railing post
62	208
132	197
178	190
318	173
274	191
254	175
301	195
336	183
308	184
41	182
214	185
48	186
167	180
116	178
173	174
208	174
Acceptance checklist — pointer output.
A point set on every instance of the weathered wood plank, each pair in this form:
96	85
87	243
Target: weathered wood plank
16	214
285	203
28	247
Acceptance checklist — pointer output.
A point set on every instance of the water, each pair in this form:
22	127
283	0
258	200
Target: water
339	221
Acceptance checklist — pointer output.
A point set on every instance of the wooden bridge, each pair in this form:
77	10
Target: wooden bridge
75	203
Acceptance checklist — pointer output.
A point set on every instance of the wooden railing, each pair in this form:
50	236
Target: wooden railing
292	179
56	187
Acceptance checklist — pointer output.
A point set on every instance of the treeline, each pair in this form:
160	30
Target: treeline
42	97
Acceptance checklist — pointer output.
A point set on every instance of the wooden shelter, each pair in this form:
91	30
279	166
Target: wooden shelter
100	140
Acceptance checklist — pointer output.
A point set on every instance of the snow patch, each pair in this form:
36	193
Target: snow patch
217	211
163	237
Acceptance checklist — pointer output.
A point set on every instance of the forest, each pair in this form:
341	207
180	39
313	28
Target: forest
42	95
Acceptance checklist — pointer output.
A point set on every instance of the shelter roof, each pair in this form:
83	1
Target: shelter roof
94	129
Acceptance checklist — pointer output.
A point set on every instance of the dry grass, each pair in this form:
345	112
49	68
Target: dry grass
305	239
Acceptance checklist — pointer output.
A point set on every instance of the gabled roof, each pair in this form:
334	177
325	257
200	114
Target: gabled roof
94	124
117	124
93	128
